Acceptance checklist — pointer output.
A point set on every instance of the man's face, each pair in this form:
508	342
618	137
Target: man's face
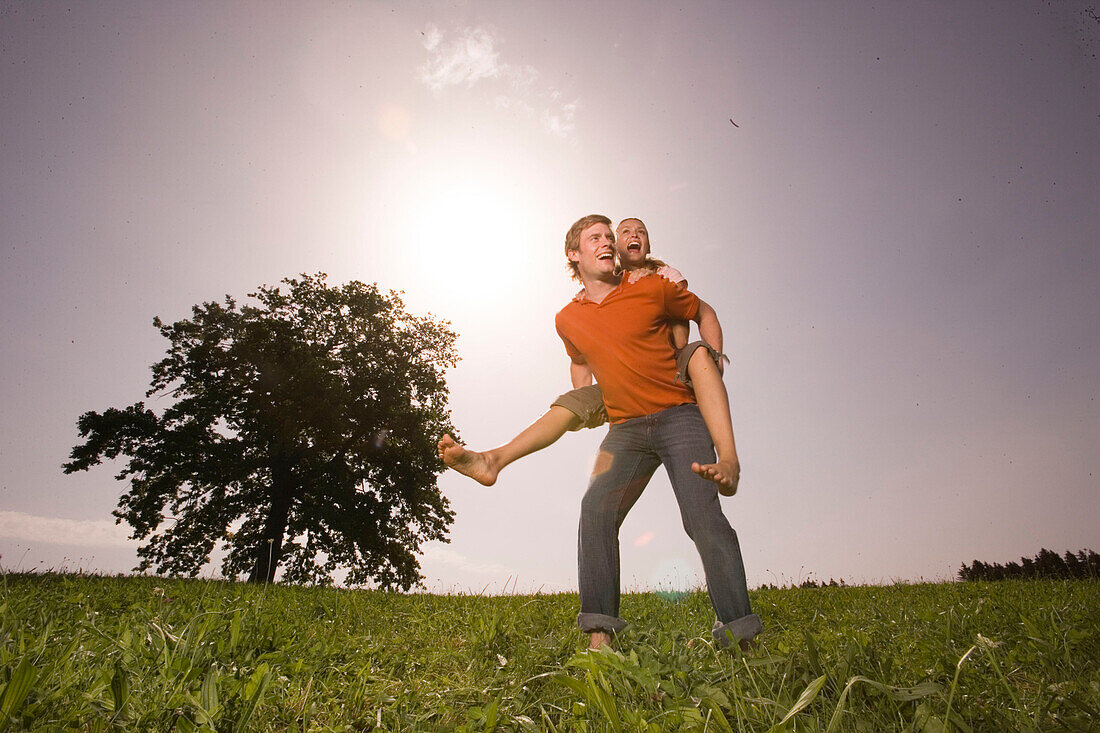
632	243
595	255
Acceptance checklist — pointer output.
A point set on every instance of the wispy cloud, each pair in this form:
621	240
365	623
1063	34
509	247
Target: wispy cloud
52	530
470	56
447	556
560	122
463	60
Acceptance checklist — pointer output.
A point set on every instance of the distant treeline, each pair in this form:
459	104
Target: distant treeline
807	583
1047	564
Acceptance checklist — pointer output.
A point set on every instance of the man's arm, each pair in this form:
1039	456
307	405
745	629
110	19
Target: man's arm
710	330
680	330
580	374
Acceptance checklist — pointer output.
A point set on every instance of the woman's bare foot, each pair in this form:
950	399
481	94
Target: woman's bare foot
478	466
724	473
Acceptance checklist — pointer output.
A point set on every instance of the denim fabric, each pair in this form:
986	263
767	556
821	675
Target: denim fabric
743	628
627	459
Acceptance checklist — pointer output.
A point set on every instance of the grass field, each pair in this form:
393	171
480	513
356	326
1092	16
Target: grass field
98	653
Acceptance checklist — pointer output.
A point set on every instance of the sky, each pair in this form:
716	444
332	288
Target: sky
891	206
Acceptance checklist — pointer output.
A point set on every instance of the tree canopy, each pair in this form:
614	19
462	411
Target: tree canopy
302	432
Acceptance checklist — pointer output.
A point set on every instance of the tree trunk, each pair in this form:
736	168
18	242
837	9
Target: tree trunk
270	551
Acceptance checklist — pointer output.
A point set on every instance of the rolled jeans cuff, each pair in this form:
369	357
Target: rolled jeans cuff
742	629
589	622
684	357
586	403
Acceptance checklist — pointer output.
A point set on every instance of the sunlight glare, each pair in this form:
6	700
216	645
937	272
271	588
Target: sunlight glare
455	245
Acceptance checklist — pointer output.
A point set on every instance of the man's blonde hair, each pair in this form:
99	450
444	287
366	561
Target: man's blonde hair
573	239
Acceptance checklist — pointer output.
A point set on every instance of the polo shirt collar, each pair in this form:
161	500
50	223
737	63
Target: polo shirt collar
582	296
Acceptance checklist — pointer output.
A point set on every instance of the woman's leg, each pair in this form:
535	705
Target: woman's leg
714	405
485	466
576	409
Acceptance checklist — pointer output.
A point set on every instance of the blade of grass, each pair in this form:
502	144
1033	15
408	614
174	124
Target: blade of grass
16	691
898	694
987	647
955	682
803	700
255	688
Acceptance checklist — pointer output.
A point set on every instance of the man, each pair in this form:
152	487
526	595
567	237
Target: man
700	368
619	329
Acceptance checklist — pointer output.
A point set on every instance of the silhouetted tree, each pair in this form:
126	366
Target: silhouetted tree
1050	565
1047	564
1091	563
302	432
1028	570
1073	565
1088	564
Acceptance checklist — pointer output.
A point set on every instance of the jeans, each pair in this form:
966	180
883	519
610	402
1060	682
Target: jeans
627	459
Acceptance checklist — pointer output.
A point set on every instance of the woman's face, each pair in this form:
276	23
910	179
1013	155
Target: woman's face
631	243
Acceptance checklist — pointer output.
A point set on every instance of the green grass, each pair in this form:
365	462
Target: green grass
97	654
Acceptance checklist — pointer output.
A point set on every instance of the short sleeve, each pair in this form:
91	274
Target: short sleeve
680	303
573	351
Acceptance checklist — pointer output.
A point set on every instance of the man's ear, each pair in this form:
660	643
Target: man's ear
574	255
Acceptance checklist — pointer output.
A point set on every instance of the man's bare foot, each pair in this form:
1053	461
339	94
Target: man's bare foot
599	639
724	473
467	462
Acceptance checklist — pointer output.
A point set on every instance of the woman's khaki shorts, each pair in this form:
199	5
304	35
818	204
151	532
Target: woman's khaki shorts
587	402
684	357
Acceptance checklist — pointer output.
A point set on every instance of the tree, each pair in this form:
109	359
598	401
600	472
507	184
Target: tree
1047	564
302	433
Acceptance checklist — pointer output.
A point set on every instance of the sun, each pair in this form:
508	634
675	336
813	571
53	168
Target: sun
455	241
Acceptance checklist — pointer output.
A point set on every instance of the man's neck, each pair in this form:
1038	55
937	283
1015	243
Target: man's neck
597	289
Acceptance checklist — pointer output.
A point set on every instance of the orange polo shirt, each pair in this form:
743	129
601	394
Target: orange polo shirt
625	341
